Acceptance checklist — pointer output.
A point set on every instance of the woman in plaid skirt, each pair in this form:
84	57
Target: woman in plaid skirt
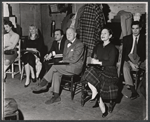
101	76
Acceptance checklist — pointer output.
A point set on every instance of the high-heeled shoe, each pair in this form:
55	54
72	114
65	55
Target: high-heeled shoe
111	107
106	112
26	85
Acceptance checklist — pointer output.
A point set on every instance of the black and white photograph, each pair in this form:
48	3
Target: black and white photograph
74	60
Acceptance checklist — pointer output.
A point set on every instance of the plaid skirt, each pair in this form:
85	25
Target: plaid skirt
105	81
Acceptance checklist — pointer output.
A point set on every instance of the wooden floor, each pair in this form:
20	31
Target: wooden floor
33	107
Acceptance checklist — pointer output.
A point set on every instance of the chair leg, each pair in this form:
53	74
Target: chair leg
19	66
72	94
136	81
12	70
82	95
22	71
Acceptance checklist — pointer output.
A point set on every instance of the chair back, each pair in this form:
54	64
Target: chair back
18	47
84	59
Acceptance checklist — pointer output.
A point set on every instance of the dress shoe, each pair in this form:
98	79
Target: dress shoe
111	107
106	112
39	88
134	96
53	100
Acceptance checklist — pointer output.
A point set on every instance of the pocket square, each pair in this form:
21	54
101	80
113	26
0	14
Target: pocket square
71	50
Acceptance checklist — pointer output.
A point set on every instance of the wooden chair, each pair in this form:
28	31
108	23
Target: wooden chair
17	62
137	77
14	116
72	82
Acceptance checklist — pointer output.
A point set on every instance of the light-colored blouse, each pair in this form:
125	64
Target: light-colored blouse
11	41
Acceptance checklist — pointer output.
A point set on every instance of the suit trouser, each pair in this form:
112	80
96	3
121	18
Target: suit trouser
127	74
54	75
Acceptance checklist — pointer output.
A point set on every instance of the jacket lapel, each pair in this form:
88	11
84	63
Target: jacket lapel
69	49
139	41
131	42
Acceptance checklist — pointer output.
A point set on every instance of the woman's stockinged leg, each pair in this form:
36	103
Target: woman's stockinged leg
32	72
103	107
6	65
93	89
5	68
27	70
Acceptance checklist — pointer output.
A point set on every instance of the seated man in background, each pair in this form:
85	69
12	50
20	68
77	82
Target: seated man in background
56	48
134	53
73	54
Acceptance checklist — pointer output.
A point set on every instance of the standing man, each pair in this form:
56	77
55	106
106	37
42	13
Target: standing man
73	54
56	48
134	53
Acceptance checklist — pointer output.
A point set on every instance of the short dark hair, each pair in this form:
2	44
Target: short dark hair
8	23
136	23
109	30
61	31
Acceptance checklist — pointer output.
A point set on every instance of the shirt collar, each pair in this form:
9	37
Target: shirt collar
73	40
59	41
136	37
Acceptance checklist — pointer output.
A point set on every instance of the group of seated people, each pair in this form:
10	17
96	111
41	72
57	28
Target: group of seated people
101	78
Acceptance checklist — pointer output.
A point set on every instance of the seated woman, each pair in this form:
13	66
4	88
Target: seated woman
31	56
10	41
102	76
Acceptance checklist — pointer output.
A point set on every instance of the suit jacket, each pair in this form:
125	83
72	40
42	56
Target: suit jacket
74	55
141	47
55	48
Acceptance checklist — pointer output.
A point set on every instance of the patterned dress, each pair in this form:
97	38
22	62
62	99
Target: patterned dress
104	77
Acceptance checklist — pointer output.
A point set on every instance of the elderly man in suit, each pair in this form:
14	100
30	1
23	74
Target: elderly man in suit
134	53
56	48
73	54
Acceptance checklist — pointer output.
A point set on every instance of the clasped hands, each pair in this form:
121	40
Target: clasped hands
47	56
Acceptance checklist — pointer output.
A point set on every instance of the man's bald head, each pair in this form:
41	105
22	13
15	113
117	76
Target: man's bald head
71	34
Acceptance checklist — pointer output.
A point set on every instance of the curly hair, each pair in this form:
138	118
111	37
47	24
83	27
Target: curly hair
36	32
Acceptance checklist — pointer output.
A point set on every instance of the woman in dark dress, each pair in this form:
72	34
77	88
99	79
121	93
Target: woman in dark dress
102	76
32	54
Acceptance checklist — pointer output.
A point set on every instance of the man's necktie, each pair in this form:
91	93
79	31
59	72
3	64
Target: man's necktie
59	45
69	44
135	46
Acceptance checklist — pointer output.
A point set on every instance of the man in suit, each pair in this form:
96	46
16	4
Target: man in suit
131	59
73	54
56	48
